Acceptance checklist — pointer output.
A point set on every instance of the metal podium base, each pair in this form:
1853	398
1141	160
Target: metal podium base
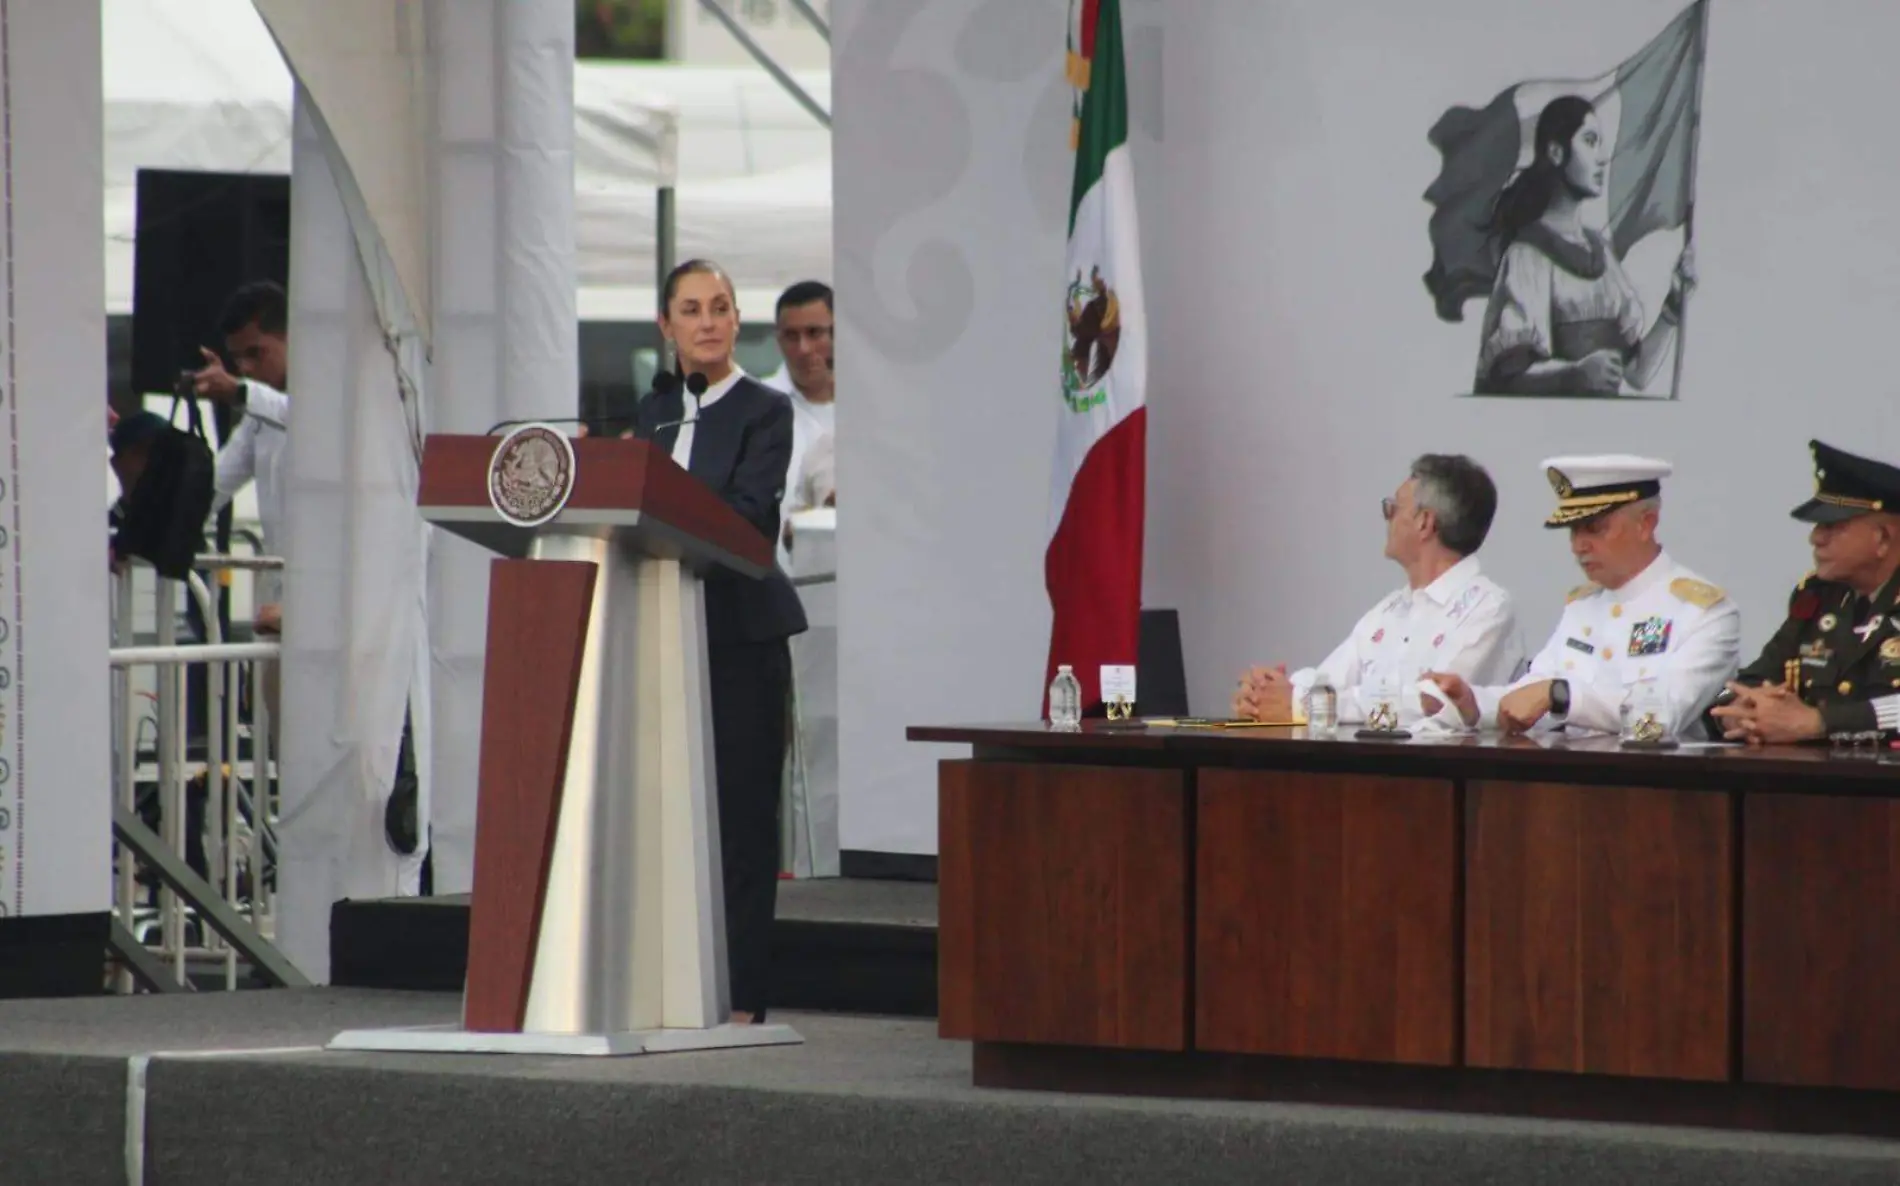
453	1039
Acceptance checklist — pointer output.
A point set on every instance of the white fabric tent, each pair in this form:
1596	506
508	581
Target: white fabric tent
199	84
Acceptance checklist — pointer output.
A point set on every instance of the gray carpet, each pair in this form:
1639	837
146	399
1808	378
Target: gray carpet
896	903
210	1021
62	1120
862	1101
827	899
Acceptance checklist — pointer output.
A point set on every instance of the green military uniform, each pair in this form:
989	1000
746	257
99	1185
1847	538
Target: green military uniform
1839	650
1842	652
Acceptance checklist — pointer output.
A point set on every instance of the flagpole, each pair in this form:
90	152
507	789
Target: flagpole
1688	216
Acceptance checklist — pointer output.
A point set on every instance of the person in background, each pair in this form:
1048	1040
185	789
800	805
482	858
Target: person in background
739	444
1642	620
130	440
1448	614
804	323
1832	672
255	325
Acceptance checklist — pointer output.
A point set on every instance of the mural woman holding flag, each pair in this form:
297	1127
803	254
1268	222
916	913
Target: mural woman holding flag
1564	317
1544	194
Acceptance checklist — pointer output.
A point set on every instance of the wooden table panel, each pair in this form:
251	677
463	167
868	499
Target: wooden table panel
1821	941
1063	913
1599	930
537	636
1326	916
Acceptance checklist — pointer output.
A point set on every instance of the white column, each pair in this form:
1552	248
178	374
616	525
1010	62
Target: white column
55	780
540	350
506	338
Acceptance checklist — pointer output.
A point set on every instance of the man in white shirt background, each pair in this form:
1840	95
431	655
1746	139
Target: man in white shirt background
255	324
803	319
255	327
1448	616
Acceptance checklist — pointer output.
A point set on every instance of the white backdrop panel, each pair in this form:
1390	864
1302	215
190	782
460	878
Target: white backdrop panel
1295	214
1297	361
952	194
55	750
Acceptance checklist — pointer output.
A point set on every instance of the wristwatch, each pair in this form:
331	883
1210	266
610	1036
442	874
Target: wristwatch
1559	699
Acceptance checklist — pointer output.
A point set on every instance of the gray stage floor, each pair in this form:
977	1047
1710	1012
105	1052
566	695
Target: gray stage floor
831	899
839	899
238	1090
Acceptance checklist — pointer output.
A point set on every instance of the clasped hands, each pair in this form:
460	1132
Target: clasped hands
1264	694
1768	715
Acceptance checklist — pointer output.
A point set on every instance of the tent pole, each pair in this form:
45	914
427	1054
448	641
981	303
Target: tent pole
665	230
811	14
766	60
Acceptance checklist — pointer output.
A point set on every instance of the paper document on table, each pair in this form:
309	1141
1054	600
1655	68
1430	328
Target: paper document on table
1203	723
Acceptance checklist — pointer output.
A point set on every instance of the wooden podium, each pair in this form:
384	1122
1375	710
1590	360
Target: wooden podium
597	920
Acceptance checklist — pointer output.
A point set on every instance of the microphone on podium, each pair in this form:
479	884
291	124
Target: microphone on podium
667	382
589	421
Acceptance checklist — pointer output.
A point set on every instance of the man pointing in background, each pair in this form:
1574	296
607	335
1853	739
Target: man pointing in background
255	324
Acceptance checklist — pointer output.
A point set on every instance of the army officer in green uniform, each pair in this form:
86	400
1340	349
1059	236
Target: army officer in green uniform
1832	672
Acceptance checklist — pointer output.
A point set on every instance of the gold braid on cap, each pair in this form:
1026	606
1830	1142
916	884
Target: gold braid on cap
1842	500
1857	504
1579	507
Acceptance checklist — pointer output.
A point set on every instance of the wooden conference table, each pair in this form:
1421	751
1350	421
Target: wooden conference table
1555	927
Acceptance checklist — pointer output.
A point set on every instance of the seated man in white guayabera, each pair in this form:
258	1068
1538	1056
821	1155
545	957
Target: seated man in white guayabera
1447	616
1645	627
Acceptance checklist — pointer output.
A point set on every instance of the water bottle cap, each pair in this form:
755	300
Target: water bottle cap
1064	667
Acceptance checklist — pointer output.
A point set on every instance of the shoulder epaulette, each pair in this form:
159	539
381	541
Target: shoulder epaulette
1697	593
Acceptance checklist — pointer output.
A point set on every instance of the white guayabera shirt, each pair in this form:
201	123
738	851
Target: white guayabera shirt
1463	623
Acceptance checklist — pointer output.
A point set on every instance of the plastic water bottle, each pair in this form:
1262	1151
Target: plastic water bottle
1065	699
1322	708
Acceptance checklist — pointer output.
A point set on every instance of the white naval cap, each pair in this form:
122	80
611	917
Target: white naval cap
1594	485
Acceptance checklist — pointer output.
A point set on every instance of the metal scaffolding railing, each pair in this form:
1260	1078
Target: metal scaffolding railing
198	893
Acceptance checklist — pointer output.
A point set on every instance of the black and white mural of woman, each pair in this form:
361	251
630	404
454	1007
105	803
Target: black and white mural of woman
1563	316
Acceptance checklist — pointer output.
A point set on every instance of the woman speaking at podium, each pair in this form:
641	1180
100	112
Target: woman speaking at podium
737	439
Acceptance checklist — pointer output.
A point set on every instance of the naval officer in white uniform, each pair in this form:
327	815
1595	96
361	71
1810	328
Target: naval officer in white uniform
1448	615
1642	619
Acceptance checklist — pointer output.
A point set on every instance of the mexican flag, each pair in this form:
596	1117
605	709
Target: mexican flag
1097	496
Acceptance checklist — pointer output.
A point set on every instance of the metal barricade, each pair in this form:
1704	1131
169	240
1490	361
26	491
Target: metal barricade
204	917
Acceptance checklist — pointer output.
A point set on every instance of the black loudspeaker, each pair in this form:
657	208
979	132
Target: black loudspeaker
1160	671
199	236
53	955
